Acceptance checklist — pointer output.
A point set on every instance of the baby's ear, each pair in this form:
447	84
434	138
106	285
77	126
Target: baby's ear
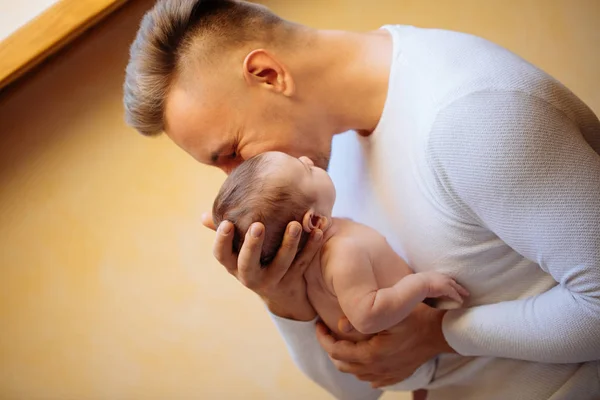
320	222
307	221
312	221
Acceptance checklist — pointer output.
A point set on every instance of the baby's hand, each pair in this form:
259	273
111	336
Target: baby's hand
440	285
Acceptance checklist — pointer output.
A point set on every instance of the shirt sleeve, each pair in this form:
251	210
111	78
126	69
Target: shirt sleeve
523	169
308	355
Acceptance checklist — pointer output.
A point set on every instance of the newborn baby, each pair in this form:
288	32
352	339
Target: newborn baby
355	274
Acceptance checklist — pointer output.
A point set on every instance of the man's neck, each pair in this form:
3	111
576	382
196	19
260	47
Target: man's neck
350	77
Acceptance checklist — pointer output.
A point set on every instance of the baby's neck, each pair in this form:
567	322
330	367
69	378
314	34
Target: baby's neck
332	230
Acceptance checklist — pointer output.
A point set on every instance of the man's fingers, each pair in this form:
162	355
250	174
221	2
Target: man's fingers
344	325
308	253
223	249
341	350
368	377
351	368
208	222
287	252
385	382
249	269
323	332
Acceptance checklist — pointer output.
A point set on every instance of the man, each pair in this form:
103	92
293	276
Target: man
486	169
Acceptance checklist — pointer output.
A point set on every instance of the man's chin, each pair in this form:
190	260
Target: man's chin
322	163
322	160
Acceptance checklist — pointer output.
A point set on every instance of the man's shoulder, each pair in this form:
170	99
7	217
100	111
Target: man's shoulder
440	67
492	141
489	116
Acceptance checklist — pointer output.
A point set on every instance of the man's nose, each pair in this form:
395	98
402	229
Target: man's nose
227	169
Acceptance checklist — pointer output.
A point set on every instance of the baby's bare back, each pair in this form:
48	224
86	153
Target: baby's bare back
386	266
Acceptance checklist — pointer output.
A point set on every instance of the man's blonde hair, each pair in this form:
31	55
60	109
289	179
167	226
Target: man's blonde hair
165	39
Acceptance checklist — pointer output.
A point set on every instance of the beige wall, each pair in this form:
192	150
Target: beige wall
108	289
16	13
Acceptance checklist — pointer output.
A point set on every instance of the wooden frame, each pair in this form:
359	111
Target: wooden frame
47	33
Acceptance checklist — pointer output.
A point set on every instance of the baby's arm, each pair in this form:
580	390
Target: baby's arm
371	309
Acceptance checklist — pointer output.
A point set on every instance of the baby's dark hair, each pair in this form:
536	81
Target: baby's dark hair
247	196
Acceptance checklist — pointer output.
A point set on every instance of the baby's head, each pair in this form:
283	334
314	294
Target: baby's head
275	189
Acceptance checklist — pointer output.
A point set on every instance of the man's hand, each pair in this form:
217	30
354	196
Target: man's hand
390	356
281	285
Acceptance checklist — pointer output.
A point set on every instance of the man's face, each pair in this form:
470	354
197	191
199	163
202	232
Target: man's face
223	129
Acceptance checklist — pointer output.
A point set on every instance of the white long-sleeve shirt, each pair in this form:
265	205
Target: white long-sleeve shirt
485	168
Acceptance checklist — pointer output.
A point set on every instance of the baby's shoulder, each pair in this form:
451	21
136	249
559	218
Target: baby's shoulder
341	247
352	240
342	255
359	234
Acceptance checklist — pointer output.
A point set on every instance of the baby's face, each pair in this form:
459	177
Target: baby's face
307	178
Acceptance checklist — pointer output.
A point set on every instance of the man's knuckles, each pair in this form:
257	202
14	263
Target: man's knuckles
336	353
371	357
344	367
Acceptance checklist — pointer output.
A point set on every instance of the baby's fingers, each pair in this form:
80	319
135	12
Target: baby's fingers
461	290
453	294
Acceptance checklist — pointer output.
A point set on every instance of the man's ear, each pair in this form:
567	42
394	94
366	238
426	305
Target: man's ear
312	221
261	68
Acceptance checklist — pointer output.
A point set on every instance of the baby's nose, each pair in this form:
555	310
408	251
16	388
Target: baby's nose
307	160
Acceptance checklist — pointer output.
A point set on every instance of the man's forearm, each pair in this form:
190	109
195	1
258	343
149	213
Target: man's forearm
560	233
553	327
313	361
